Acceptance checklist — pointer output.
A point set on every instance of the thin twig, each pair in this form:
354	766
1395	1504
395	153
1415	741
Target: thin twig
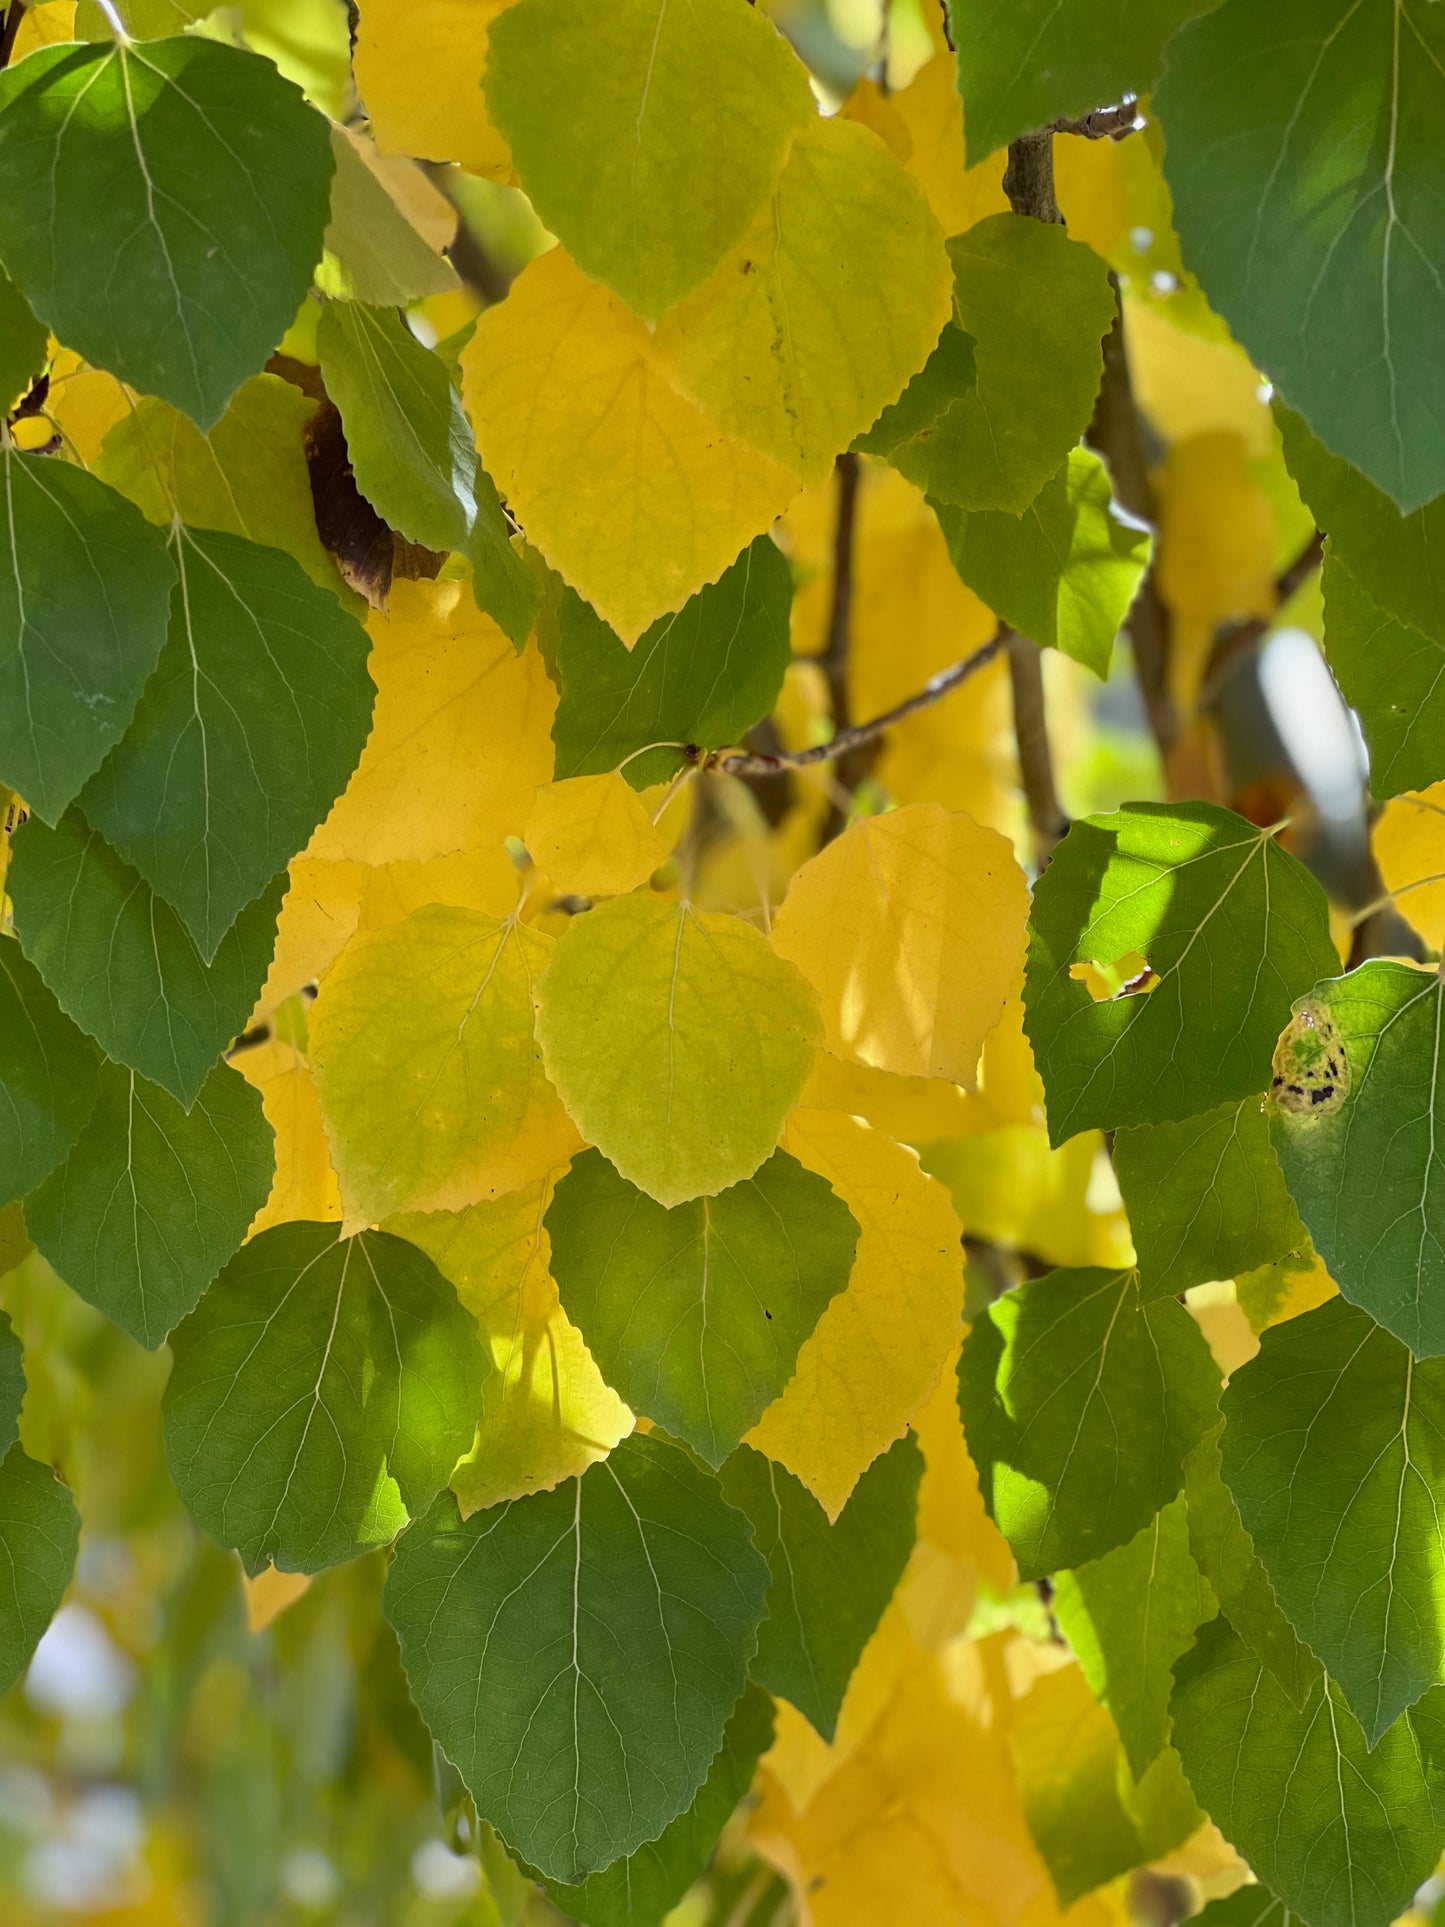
834	660
1036	763
1238	638
1116	433
1104	123
737	762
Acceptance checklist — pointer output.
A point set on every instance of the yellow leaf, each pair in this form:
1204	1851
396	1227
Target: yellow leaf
910	926
1273	1293
419	68
1092	196
1188	385
431	1081
547	1413
1012	1188
482	879
872	108
932	113
1217	541
848	251
270	1593
84	403
679	1042
461	740
1409	841
878	1349
1220	1316
594	836
319	917
951	1512
47	25
304	1185
631	493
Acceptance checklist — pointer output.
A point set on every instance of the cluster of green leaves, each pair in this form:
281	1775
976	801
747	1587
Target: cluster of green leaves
232	791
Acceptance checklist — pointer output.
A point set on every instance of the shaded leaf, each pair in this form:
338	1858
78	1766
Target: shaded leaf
39	1536
1393	678
24	345
47	1077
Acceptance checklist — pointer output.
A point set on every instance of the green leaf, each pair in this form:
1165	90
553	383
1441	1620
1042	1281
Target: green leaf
1367	1176
1206	1198
409	442
1192	889
1090	1818
1079	1404
24	345
39	1537
1063	573
247	477
372	251
153	1200
996	409
703	676
247	733
640	1890
1252	1906
197	174
1129	1616
830	1583
1301	156
47	1076
85	583
1334	1449
645	177
1397	559
323	1390
1344	1835
581	1671
12	1383
1392	677
119	959
695	1315
678	1041
1225	1554
1024	63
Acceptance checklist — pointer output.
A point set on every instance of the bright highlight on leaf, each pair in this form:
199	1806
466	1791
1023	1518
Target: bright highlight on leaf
678	1040
910	927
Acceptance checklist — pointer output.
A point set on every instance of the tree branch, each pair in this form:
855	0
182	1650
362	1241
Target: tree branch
1028	179
737	762
1238	638
1104	123
1036	763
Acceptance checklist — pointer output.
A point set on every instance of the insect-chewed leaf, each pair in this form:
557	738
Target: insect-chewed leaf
1129	1616
1356	1122
122	964
431	1080
703	676
246	734
641	1889
646	183
48	1074
577	1654
830	1582
679	1041
323	1389
215	170
1341	304
696	1314
39	1537
910	926
1342	1834
1080	1404
1334	1449
153	1199
1190	888
85	583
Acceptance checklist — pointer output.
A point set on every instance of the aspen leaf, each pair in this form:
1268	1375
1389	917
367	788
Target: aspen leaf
932	116
304	1184
39	1536
696	1314
679	1042
1409	845
1392	676
431	1082
447	680
848	249
387	229
48	1071
321	1392
594	836
546	1411
645	180
879	1348
582	1673
627	488
1012	1187
24	344
886	924
421	105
